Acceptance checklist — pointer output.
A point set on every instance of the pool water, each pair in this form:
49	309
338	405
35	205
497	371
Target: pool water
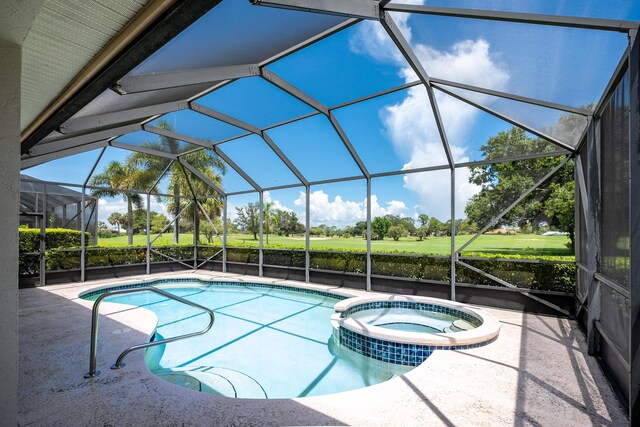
411	320
265	343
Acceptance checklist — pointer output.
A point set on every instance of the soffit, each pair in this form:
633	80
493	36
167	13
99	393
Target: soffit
65	36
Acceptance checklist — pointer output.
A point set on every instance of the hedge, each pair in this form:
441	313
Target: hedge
29	239
551	273
55	238
423	267
62	238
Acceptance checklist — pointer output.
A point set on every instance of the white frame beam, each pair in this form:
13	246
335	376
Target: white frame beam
157	81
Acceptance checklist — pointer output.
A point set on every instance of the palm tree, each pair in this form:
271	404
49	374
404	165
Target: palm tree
270	218
205	161
116	219
121	178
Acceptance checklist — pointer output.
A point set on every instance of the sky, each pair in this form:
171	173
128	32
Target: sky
390	133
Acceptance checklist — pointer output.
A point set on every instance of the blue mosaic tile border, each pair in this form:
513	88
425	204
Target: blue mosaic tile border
215	283
393	352
434	308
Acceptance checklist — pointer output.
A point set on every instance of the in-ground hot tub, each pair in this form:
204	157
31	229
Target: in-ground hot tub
407	329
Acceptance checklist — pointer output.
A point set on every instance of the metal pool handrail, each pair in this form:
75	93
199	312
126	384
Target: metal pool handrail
94	326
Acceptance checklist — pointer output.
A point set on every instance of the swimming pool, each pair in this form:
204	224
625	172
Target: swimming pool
267	342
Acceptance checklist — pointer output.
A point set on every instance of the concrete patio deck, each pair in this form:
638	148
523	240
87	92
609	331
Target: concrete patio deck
536	373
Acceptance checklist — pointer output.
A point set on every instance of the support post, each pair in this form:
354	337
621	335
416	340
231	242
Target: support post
454	254
83	243
148	258
307	222
43	236
592	175
224	234
368	234
261	225
196	233
634	215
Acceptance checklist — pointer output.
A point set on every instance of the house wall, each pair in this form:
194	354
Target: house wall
10	67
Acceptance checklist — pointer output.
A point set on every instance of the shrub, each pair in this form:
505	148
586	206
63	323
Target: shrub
549	273
417	267
285	258
177	252
396	232
113	257
62	260
107	234
552	273
339	261
55	238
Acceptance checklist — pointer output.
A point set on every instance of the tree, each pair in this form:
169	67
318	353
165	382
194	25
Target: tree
422	232
408	223
331	231
466	226
380	226
396	232
503	183
120	179
205	161
424	219
316	231
560	206
435	227
360	229
248	219
269	217
209	231
158	222
288	223
117	219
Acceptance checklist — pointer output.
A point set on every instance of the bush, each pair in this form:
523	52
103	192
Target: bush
242	255
548	275
285	258
339	261
553	273
206	252
396	232
55	238
113	257
107	234
423	267
62	260
177	252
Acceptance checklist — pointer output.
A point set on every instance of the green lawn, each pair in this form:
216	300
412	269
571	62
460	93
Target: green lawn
522	244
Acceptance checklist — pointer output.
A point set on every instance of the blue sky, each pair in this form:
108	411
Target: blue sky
393	132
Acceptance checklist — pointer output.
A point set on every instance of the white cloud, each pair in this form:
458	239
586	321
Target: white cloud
108	206
410	123
276	203
372	39
232	214
341	212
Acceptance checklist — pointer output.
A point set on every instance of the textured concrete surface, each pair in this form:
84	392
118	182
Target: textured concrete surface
536	373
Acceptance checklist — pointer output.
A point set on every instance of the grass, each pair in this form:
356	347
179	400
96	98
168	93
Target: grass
521	244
